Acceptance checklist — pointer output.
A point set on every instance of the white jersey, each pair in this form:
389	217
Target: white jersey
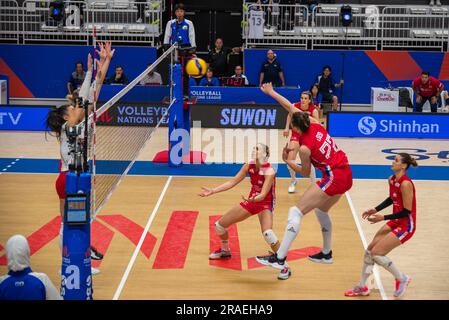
256	23
66	156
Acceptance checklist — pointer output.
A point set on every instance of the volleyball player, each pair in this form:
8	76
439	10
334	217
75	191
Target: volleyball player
70	115
399	229
260	201
317	148
305	105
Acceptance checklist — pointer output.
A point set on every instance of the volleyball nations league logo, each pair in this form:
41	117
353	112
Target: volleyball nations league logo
367	125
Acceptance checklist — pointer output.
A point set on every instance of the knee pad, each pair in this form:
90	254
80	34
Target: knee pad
270	237
294	216
383	261
324	219
219	229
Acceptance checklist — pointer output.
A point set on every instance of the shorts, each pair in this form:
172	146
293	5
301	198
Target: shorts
403	228
256	207
60	185
327	97
336	181
295	136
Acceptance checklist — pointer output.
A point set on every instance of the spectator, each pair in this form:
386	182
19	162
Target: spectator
140	10
235	58
433	2
76	78
119	77
316	99
209	80
427	88
326	85
192	82
311	5
446	98
271	71
239	74
21	283
180	30
218	59
152	78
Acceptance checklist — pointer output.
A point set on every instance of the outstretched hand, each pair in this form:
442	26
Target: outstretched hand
206	192
267	88
368	213
89	62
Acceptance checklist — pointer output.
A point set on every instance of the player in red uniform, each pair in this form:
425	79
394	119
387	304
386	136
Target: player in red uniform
317	148
400	227
306	105
260	201
427	88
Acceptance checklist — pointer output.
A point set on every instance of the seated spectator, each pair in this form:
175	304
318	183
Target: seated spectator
119	77
239	74
209	80
218	59
446	98
271	71
76	78
326	85
152	78
311	5
316	99
427	88
21	283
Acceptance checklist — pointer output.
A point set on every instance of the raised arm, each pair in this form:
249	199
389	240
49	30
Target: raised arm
227	185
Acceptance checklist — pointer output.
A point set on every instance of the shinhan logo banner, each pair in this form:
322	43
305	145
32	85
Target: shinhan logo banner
388	125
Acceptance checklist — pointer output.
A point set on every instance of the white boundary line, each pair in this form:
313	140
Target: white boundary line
142	238
365	245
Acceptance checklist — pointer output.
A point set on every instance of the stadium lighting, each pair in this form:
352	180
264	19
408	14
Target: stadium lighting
57	10
346	15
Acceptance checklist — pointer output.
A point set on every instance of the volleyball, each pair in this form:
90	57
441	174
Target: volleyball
196	67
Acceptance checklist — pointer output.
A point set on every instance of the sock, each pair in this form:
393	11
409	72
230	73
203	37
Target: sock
224	245
386	262
292	172
367	269
291	231
326	229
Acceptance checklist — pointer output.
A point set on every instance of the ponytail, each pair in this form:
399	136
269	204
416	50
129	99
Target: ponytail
55	119
408	160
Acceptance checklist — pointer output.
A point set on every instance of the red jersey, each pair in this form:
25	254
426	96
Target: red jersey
324	153
310	110
257	180
428	89
396	194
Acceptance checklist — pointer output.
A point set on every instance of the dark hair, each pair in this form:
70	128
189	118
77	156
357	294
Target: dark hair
79	62
210	69
308	93
301	120
327	67
116	67
425	73
408	160
55	119
180	6
312	86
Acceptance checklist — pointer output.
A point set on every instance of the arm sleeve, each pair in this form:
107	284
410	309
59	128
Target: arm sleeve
51	293
386	203
167	33
401	214
84	91
191	34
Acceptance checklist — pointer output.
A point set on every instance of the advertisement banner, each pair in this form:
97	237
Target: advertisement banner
134	114
388	125
26	118
245	95
239	116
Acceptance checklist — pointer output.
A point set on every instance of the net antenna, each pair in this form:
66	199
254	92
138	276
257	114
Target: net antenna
114	150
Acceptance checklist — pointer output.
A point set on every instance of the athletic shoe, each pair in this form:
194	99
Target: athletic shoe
94	254
357	292
285	274
292	186
322	258
401	286
220	254
272	261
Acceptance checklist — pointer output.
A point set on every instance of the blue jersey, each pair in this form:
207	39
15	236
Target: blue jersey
27	285
214	82
182	33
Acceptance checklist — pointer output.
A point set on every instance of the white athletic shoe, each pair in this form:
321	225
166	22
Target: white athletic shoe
220	254
292	186
401	286
285	274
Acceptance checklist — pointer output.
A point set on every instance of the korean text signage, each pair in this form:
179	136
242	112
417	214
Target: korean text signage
388	125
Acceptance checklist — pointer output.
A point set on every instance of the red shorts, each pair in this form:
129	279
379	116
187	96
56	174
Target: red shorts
256	207
403	228
295	136
60	185
336	181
